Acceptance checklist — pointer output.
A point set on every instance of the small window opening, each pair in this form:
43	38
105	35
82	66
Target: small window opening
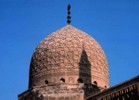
95	82
46	82
62	80
105	86
80	80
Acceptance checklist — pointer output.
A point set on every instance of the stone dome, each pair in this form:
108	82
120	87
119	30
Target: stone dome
71	56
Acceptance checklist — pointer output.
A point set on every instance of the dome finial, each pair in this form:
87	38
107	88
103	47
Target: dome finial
68	17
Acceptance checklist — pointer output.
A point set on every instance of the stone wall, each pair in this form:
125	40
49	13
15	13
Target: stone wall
128	90
55	92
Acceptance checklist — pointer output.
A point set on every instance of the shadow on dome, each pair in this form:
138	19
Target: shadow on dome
84	68
85	72
85	75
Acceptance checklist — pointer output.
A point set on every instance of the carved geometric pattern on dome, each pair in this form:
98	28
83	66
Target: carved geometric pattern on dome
62	50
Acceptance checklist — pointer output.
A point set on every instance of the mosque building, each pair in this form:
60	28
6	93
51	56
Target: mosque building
71	65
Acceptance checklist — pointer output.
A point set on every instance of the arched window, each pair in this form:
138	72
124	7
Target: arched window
95	83
46	82
80	80
62	80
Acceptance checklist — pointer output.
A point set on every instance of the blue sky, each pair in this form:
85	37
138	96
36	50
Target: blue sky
25	23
